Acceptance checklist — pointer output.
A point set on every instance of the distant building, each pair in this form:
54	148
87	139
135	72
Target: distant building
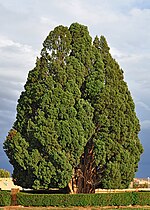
141	182
8	184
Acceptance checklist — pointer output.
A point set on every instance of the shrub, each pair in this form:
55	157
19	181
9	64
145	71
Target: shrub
62	200
112	199
27	199
5	198
143	198
4	173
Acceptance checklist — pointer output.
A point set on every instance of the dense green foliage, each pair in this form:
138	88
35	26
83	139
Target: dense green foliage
4	173
118	156
5	198
142	198
104	199
75	95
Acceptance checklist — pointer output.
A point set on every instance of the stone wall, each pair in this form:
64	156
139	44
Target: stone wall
8	184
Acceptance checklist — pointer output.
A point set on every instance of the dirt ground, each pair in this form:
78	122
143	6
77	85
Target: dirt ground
74	208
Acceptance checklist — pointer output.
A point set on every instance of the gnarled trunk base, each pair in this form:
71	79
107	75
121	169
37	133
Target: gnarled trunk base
84	175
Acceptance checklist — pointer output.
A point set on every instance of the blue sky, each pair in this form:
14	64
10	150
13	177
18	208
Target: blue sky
24	26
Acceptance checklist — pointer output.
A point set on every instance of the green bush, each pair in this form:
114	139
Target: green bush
5	198
135	200
27	199
143	198
62	200
111	199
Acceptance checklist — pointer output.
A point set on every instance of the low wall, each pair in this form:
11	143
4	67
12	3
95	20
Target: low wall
121	190
8	184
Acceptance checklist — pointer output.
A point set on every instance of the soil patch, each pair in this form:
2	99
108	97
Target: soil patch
75	208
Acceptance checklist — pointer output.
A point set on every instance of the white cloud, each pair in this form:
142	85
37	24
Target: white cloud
143	105
136	66
145	124
7	43
78	10
16	60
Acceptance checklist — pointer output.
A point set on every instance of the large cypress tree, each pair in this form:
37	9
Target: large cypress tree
76	121
117	146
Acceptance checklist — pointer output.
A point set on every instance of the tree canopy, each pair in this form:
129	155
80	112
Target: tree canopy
75	118
4	173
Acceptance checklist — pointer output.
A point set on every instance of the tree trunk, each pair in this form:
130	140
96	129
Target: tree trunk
84	175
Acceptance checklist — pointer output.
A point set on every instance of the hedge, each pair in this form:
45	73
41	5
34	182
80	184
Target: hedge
141	198
5	198
66	200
